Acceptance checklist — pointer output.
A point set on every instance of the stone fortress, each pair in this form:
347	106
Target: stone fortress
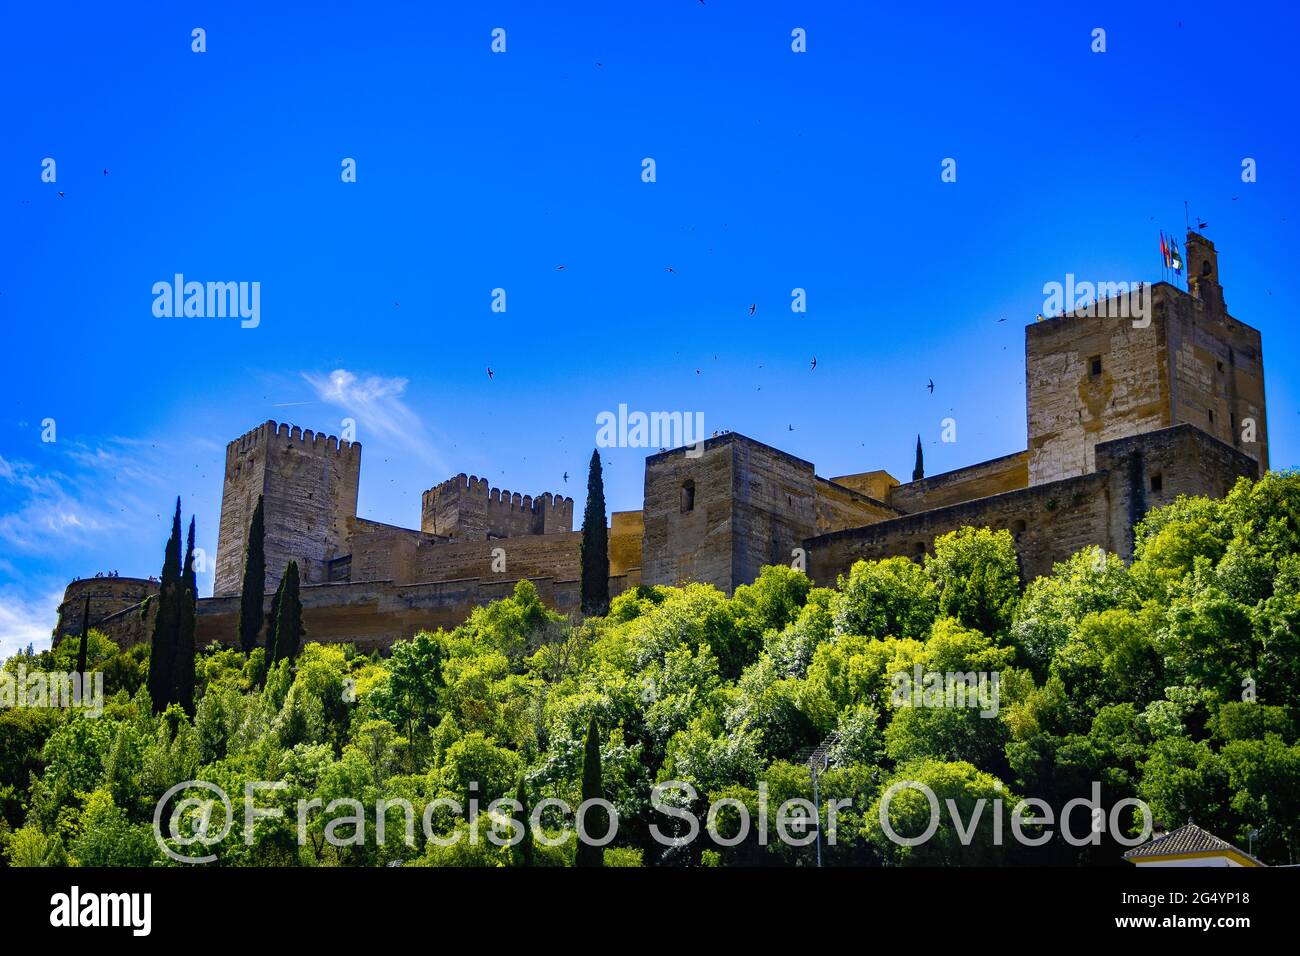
1123	416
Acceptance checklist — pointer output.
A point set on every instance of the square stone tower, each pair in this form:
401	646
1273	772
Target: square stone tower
308	482
719	517
1110	372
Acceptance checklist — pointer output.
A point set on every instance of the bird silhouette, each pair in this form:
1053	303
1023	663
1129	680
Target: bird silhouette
106	172
1003	319
931	386
753	307
813	366
566	477
559	268
789	427
60	194
491	374
671	269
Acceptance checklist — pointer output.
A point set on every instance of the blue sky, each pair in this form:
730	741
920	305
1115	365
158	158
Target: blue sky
478	171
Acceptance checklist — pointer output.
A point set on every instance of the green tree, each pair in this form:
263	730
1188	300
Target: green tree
592	789
522	852
273	622
889	598
183	666
978	576
253	594
595	543
83	642
288	629
166	630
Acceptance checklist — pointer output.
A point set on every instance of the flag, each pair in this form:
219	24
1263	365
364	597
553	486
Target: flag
1164	249
1175	257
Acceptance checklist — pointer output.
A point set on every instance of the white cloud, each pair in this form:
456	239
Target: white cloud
377	405
26	621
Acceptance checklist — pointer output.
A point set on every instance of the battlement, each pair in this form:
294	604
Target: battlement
272	434
468	507
308	481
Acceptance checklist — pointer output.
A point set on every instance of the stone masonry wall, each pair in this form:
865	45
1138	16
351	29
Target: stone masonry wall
1070	407
993	477
467	507
309	482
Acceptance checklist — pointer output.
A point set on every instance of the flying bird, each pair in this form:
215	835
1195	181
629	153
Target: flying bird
1003	319
559	268
790	427
931	386
491	373
106	172
60	193
671	269
753	307
566	477
697	371
813	366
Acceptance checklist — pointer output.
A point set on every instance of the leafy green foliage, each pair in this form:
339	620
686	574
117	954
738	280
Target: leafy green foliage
1175	680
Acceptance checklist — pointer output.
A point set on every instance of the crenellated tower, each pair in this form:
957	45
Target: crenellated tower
467	508
308	481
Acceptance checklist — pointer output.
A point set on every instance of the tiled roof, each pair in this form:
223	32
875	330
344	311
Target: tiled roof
1184	840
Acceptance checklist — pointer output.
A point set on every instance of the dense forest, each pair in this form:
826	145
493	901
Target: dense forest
1174	680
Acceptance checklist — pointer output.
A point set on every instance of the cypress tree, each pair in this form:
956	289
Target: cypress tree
273	622
522	852
187	608
589	855
162	652
919	471
253	595
83	646
595	543
288	627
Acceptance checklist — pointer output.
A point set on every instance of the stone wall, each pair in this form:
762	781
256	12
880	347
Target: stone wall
1072	406
688	540
309	483
874	484
108	597
1216	370
372	615
468	508
1048	523
1051	521
839	507
993	477
775	508
626	531
1192	364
